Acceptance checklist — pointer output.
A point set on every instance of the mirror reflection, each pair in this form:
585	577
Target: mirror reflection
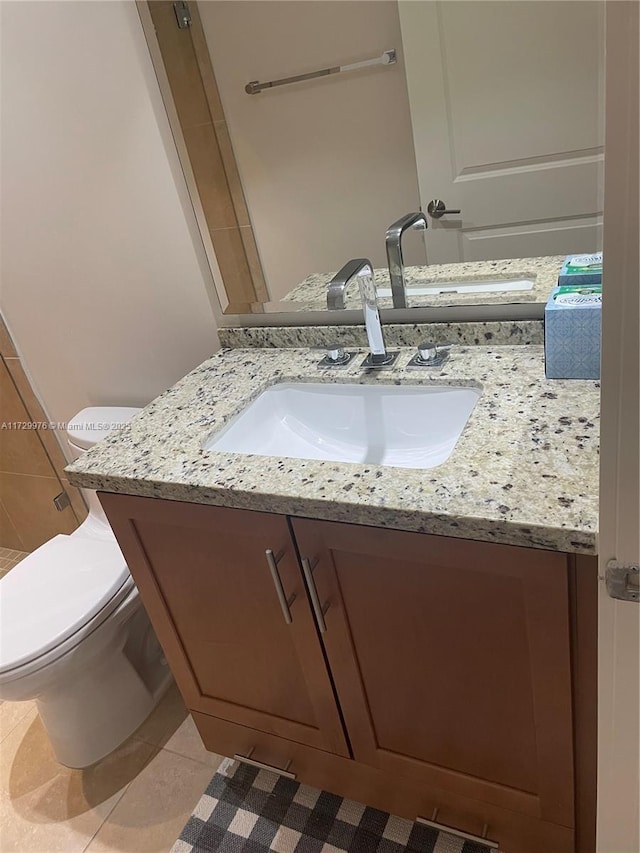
422	135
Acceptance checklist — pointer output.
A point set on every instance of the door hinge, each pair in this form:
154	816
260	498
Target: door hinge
623	582
61	501
183	15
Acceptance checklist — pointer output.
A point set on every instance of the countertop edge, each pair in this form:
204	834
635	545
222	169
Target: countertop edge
498	531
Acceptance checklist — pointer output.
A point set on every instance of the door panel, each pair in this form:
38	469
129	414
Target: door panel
204	579
451	661
507	114
619	531
531	239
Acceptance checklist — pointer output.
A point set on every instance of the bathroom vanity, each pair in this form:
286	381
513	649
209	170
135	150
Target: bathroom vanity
423	641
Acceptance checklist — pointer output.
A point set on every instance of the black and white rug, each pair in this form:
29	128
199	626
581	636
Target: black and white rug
245	810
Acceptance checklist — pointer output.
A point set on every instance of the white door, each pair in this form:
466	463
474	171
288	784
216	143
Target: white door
619	621
506	105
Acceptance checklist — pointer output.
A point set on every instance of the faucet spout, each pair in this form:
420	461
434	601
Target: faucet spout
338	284
393	242
362	270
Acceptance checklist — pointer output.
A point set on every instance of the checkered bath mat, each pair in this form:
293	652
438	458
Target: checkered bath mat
245	810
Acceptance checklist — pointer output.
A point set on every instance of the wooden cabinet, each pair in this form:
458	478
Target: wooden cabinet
451	660
416	672
203	576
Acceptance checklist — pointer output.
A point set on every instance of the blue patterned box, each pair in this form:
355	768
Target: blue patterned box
572	320
581	269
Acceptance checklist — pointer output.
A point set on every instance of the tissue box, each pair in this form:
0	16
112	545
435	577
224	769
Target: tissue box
581	269
572	320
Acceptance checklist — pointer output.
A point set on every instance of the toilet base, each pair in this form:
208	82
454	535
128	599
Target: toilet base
103	710
102	702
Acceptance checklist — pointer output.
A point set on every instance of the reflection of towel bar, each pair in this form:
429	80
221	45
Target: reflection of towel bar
388	58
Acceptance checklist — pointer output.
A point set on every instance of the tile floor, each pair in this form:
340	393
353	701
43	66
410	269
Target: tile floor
9	559
135	801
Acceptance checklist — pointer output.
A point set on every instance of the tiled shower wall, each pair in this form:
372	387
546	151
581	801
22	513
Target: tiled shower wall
31	463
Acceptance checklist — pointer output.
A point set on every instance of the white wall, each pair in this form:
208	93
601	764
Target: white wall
327	165
102	286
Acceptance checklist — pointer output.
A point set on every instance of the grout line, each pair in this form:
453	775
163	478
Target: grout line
5	734
109	813
53	476
164	748
192	758
197	125
155	751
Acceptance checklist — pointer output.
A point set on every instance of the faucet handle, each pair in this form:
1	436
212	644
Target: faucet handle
335	356
430	355
427	351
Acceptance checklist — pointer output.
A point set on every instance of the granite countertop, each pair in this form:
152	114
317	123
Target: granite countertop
524	471
491	333
311	294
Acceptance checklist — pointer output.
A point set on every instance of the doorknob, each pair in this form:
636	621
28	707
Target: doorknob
437	208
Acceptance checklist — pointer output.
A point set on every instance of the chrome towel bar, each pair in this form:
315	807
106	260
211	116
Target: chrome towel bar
388	58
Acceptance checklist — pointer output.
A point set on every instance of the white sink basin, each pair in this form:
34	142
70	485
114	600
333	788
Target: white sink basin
405	426
491	286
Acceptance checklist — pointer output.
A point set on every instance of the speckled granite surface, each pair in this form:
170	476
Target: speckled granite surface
311	294
396	334
524	472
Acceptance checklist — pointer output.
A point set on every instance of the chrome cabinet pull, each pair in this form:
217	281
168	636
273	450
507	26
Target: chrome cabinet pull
246	759
307	568
468	836
285	603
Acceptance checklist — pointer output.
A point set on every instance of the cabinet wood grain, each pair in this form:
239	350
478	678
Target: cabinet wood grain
451	660
205	582
416	672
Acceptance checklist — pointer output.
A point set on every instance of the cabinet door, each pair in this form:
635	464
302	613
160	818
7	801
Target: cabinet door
451	660
204	579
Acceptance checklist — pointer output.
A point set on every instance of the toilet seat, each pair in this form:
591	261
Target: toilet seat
56	596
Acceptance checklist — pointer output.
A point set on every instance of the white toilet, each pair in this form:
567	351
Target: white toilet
73	633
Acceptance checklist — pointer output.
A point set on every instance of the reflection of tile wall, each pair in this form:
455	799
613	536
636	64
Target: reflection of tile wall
31	463
197	101
9	559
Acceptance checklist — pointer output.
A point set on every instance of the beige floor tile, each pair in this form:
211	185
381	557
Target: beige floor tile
186	741
11	713
155	807
47	808
165	719
171	727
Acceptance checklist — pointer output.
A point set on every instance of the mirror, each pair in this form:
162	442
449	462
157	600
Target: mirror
492	110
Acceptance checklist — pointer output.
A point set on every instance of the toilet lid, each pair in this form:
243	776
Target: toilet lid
91	425
56	591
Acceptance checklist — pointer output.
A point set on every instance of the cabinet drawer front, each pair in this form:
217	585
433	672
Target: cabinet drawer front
220	605
516	833
451	660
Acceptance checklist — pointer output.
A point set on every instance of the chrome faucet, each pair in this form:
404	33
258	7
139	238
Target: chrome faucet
362	269
394	254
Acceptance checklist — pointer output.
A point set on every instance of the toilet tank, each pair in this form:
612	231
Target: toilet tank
94	423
